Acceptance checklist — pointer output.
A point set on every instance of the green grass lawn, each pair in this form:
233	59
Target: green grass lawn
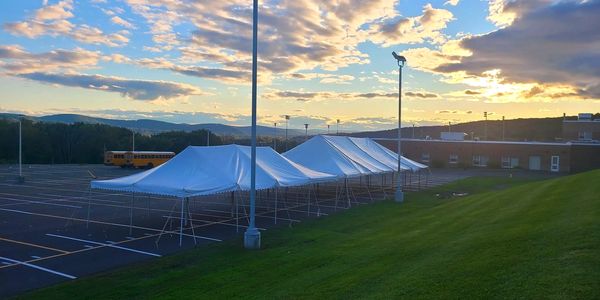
509	238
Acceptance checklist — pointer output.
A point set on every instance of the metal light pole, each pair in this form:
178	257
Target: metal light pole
449	128
252	235
413	131
306	130
207	137
503	128
485	126
401	60
132	140
287	118
338	127
275	137
21	179
328	129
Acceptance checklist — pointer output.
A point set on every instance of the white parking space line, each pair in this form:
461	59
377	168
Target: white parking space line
17	262
103	244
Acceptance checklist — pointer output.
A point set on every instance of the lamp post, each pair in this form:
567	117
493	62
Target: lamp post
287	119
328	129
21	179
132	140
207	137
413	131
449	128
275	137
306	130
503	128
252	235
401	60
485	114
338	127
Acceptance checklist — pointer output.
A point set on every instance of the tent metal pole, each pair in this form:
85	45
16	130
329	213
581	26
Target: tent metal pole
347	193
232	200
131	213
308	207
89	196
166	222
189	215
181	222
275	205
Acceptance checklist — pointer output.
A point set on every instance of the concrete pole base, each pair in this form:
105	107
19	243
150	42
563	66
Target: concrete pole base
20	179
252	238
399	196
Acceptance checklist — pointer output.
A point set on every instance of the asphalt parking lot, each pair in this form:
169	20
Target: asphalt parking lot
53	228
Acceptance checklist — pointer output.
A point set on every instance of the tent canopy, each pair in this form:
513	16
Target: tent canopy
348	157
200	171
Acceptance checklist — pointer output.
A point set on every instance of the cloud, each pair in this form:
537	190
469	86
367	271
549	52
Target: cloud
120	21
547	44
412	30
15	60
423	95
472	92
148	90
52	20
305	96
452	2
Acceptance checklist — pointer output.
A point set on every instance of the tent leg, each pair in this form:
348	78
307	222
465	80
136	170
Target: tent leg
189	215
237	213
89	196
337	185
232	200
316	194
347	193
308	207
181	222
131	213
275	205
166	222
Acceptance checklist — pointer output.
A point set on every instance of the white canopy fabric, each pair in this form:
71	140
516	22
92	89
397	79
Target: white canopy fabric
200	171
347	157
385	155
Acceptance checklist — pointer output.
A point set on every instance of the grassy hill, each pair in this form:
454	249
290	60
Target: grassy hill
509	239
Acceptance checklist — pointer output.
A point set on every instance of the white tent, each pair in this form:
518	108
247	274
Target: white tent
347	157
386	155
198	171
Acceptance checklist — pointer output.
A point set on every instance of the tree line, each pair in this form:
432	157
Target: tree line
83	143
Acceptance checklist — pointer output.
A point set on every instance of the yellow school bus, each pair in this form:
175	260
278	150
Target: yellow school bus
139	159
114	158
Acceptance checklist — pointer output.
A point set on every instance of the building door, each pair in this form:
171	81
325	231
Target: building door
535	163
555	163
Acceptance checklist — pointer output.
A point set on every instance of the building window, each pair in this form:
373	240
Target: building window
480	160
510	162
453	159
585	135
425	157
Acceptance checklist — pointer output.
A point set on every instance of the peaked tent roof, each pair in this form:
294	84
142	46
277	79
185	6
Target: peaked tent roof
200	171
345	156
386	155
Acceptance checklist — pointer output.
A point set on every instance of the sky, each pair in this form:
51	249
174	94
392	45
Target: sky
319	61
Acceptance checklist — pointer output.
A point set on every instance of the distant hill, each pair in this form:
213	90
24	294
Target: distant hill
532	129
153	126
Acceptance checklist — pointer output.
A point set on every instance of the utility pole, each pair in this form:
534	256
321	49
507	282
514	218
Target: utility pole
275	137
287	119
21	179
503	128
485	115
